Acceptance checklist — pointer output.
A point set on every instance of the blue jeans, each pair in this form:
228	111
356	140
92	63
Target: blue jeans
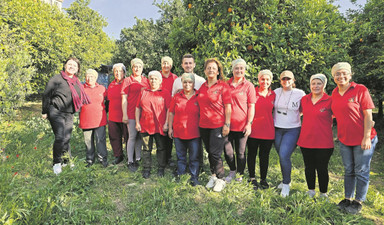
182	147
285	143
356	169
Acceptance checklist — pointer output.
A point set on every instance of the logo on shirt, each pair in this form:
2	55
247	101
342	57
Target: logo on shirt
241	93
295	104
351	99
322	109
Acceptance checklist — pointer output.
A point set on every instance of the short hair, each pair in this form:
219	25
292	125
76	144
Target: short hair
167	59
119	65
76	61
187	56
93	72
219	66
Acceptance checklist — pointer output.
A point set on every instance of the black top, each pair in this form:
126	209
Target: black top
58	93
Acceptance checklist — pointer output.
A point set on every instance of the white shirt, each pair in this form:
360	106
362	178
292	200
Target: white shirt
177	85
286	112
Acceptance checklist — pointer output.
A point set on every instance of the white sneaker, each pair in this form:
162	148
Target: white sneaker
212	181
311	193
280	186
57	168
323	195
285	190
219	186
231	175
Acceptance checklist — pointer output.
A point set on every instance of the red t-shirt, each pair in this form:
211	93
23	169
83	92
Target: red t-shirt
211	101
348	110
132	88
242	95
316	128
186	119
154	106
115	113
93	115
167	82
263	126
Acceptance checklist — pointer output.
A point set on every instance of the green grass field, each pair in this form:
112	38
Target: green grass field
30	193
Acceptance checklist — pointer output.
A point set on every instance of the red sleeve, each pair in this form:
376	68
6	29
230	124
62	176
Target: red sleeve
138	104
227	97
251	94
365	99
172	106
124	88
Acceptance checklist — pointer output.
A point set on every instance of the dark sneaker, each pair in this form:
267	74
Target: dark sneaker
160	173
194	182
105	164
118	160
344	204
354	208
264	184
146	174
255	184
132	167
137	163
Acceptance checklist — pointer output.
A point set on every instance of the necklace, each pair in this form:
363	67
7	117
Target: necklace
286	103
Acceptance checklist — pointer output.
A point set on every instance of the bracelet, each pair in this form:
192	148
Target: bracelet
227	124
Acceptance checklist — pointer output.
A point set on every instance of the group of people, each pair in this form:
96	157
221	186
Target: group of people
226	115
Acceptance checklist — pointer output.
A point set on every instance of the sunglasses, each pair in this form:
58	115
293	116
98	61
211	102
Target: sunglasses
285	78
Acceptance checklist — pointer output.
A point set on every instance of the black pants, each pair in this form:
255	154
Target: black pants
168	145
147	150
264	147
118	133
61	123
214	144
237	141
316	160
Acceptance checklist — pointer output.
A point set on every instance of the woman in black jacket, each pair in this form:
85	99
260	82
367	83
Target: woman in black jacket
63	96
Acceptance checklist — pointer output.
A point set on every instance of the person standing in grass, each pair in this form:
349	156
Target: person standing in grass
316	138
184	128
118	131
286	117
63	96
243	111
152	122
263	130
130	92
352	106
214	99
93	119
167	84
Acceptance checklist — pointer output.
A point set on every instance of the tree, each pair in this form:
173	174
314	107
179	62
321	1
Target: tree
304	36
367	49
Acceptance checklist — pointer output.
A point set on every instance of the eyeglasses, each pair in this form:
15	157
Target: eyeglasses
285	78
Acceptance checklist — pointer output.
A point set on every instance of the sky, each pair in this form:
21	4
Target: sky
121	13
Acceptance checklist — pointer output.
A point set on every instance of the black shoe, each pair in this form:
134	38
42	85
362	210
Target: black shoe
263	184
171	163
89	164
354	208
194	182
255	184
146	174
132	167
344	204
118	160
105	163
137	163
160	172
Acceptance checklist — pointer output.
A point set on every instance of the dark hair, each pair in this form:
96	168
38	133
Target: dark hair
219	66
188	56
76	61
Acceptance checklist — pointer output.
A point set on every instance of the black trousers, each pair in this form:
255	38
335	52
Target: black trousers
62	124
316	160
118	133
236	142
214	144
264	147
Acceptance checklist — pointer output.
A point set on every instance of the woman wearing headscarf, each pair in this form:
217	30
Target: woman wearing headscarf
316	138
286	117
93	119
152	122
243	111
117	130
263	130
352	106
184	127
214	99
63	96
130	91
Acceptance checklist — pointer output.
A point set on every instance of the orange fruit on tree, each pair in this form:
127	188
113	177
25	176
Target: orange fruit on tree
249	47
189	5
229	9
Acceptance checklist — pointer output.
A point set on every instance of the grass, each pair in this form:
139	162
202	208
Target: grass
30	193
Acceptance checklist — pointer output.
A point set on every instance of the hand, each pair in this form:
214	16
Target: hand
225	130
44	116
138	127
366	143
165	127
125	119
247	130
170	133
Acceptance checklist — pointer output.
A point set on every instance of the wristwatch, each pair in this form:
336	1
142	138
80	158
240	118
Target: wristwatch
227	124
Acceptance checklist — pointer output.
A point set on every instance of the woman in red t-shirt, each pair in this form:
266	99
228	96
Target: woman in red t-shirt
352	106
117	130
214	100
316	138
263	129
184	127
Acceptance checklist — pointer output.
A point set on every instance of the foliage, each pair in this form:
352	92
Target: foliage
304	36
30	193
147	38
367	49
